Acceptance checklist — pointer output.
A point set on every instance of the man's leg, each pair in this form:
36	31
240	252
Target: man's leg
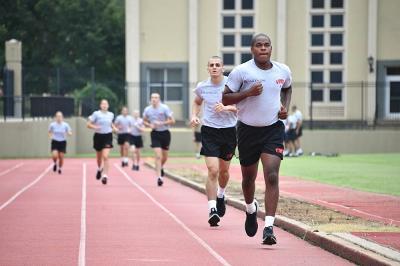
211	183
60	161
271	164
54	156
157	160
99	161
249	175
164	157
211	189
223	178
106	164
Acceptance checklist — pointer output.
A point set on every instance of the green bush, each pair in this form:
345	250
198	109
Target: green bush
84	96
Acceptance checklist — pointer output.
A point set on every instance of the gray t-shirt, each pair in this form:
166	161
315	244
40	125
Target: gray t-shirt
137	123
124	123
102	119
261	110
211	94
160	114
59	130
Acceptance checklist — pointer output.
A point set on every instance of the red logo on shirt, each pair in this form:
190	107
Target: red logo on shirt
280	81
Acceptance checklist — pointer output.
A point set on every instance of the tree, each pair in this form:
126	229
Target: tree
71	35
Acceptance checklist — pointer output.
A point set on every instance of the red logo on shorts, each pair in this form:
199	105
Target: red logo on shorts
279	150
229	156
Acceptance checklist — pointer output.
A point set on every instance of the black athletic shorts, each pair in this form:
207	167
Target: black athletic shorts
102	141
197	136
124	137
252	141
136	141
60	146
218	142
160	139
291	135
300	132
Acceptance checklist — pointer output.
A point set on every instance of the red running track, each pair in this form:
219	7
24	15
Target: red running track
72	219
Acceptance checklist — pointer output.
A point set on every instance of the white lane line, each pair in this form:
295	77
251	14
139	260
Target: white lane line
11	169
82	243
5	204
176	219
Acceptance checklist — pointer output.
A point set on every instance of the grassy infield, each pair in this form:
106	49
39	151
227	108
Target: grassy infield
378	173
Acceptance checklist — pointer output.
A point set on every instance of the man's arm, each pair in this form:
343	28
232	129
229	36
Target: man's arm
195	120
229	97
286	96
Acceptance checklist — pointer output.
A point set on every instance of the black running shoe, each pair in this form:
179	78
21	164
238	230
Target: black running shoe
268	236
122	164
160	182
54	168
59	171
137	167
98	174
213	218
162	172
221	208
104	180
133	167
251	224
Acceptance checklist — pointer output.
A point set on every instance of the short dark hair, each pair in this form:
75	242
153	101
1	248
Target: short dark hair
215	57
255	36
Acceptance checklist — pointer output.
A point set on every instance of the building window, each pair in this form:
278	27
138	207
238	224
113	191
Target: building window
238	27
167	82
327	33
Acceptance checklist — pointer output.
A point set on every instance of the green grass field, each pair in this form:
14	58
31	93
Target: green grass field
378	173
368	172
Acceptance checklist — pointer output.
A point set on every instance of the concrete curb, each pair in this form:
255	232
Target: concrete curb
330	242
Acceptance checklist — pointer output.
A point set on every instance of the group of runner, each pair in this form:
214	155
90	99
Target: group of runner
243	111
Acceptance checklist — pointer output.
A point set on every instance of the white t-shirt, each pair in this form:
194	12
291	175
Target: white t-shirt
211	94
59	130
160	114
298	115
137	123
124	123
292	121
103	120
261	110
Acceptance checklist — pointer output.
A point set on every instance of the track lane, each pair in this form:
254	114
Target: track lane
41	227
125	228
229	240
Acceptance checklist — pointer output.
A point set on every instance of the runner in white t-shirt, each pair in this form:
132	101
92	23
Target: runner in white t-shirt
58	132
124	123
101	122
218	135
261	90
136	139
158	117
299	130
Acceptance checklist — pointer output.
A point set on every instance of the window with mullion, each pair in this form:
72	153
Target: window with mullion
238	27
326	50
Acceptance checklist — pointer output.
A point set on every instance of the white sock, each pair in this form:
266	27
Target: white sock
212	204
100	169
126	159
251	208
220	192
160	177
269	221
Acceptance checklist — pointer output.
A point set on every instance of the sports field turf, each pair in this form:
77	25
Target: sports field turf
369	172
